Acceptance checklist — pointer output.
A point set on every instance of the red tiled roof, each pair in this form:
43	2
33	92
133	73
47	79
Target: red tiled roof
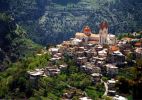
87	30
114	48
138	44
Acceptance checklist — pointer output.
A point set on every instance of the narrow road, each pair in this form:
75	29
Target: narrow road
106	88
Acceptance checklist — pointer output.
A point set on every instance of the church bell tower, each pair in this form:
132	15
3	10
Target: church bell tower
103	32
87	31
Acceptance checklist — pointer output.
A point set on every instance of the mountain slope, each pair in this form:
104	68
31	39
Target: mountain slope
52	21
13	42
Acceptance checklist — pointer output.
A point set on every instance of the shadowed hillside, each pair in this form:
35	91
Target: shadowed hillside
52	21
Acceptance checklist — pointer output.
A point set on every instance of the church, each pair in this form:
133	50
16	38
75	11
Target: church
102	38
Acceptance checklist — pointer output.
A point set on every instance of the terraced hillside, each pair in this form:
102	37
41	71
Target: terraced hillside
52	21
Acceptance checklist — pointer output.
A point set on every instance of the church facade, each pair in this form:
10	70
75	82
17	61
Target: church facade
102	38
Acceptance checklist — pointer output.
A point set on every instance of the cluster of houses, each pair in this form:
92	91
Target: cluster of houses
96	54
49	71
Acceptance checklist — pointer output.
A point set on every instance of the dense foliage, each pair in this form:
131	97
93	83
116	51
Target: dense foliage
52	21
16	84
130	80
14	43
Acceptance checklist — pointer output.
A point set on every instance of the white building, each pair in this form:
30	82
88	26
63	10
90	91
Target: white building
111	87
103	33
111	39
35	74
117	97
102	53
76	41
102	38
138	52
84	98
53	50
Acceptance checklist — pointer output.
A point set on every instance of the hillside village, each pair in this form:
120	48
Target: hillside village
70	49
98	55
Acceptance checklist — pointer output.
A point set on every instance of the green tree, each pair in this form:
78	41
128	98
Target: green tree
3	88
137	87
123	85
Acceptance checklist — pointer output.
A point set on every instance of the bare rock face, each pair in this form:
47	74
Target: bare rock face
52	21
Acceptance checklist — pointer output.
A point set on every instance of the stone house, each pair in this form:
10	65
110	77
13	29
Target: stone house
116	58
96	77
111	70
111	87
52	71
82	60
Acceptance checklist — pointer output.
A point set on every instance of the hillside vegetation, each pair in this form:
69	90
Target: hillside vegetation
14	44
52	21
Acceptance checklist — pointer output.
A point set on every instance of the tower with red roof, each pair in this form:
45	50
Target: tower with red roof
103	32
87	31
